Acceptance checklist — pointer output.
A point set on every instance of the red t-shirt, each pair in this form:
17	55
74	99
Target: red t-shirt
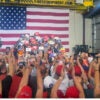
14	86
0	96
2	77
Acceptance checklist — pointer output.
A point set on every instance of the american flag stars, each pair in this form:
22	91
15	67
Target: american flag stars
12	18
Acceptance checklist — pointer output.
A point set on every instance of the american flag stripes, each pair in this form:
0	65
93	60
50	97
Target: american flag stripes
15	21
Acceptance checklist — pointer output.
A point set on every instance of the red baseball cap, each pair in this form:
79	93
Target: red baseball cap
49	51
46	38
34	48
52	36
26	43
36	33
58	69
72	92
26	92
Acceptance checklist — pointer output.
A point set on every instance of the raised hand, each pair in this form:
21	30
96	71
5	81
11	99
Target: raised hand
12	63
84	76
96	65
62	73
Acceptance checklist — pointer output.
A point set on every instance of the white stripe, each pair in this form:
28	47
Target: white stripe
9	39
44	9
64	39
54	32
47	17
66	46
47	24
33	31
4	46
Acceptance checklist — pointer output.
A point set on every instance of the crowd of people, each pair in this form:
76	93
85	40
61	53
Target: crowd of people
40	67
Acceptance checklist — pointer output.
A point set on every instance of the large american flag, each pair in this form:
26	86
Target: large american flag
15	20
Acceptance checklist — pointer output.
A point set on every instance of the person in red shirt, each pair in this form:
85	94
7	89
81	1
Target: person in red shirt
5	84
72	92
25	91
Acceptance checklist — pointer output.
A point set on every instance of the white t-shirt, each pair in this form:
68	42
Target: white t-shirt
65	83
51	71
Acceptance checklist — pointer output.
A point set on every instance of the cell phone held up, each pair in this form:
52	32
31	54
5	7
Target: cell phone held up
21	64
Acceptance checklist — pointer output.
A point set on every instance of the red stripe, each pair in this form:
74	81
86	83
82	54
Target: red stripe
65	43
2	50
42	35
56	35
9	42
48	28
9	35
47	13
48	21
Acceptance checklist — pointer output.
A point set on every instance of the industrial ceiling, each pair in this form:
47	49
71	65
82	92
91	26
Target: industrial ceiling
79	5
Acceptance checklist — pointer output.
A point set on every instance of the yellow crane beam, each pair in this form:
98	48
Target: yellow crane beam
71	4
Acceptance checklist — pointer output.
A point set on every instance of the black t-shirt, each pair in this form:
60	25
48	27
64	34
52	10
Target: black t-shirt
6	83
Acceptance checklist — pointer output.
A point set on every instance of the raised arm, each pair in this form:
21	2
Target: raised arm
79	64
84	76
77	82
97	79
90	71
24	80
39	93
6	83
11	61
57	84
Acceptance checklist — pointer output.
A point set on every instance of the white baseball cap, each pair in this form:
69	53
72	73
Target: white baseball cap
49	82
